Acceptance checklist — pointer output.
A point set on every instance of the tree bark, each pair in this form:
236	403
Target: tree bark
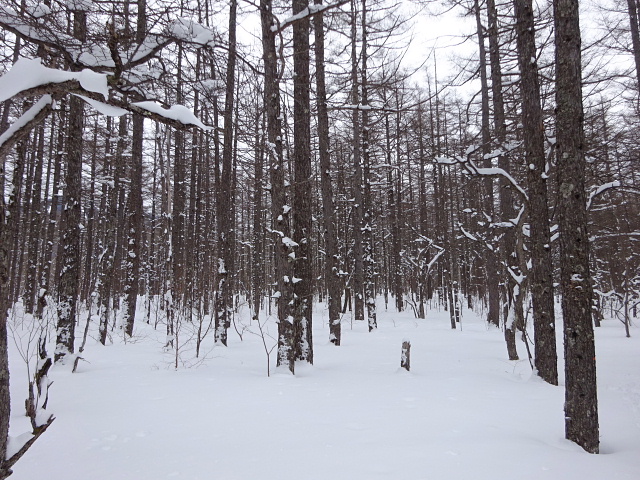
302	233
328	207
493	313
581	399
69	280
279	208
367	217
357	217
635	36
135	221
541	280
224	298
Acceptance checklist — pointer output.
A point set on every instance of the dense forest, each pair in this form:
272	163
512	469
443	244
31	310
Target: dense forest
163	164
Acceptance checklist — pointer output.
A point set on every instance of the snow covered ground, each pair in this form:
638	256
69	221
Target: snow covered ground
463	412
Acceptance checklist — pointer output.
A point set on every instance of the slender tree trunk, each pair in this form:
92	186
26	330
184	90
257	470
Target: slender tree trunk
5	400
178	213
541	281
493	314
279	209
258	267
581	399
328	206
635	36
357	217
35	226
135	220
51	223
68	282
226	266
367	217
302	233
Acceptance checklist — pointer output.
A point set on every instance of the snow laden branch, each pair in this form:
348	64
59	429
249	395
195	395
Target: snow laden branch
29	78
23	125
47	30
430	244
27	75
601	189
307	12
45	26
18	446
472	169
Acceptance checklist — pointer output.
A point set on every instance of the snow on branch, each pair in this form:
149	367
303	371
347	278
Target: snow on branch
23	125
29	73
28	78
190	31
468	234
602	188
435	258
27	117
18	446
309	11
179	113
471	168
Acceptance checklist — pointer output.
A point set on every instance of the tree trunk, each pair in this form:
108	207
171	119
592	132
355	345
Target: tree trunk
581	399
635	36
279	208
367	223
493	313
69	280
328	207
135	220
224	299
5	401
541	280
357	217
302	233
52	224
258	262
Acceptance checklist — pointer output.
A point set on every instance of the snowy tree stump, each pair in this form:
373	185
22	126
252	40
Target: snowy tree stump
405	359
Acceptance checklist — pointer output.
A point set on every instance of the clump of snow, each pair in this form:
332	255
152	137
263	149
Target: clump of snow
39	10
14	444
176	112
29	73
191	31
104	108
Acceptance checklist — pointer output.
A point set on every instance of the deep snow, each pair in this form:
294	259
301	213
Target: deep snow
463	412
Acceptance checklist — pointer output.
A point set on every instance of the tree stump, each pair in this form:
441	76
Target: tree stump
405	359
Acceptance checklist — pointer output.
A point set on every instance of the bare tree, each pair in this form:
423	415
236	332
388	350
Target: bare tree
541	281
581	399
328	206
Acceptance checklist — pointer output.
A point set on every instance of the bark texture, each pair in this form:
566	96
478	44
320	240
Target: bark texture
279	209
541	281
581	399
331	264
302	234
226	267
